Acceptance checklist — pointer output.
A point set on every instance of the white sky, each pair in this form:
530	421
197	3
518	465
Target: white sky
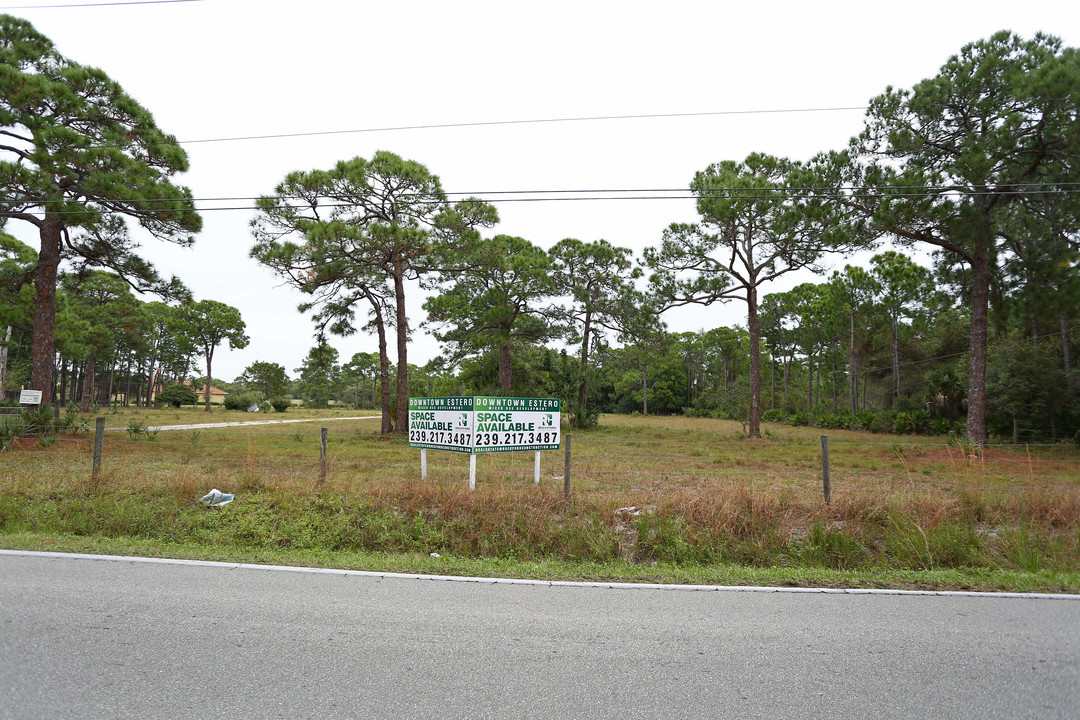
229	68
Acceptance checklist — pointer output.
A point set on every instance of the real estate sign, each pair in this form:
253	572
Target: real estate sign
485	424
441	423
505	424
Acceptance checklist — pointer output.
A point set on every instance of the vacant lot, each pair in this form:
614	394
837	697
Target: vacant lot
665	499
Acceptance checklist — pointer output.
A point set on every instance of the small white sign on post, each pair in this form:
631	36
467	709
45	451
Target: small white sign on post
30	397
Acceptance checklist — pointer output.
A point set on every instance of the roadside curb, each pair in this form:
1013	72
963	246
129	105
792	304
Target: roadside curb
544	583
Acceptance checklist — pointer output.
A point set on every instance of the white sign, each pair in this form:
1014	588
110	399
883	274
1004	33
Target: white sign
30	397
505	424
484	424
442	423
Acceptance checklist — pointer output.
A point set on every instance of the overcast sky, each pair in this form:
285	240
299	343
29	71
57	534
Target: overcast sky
211	70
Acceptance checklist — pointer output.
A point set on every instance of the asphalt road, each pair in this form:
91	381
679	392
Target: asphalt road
85	638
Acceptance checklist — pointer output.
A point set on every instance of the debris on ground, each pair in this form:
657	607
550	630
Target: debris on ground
216	498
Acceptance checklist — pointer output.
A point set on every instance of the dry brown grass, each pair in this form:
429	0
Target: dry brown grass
701	494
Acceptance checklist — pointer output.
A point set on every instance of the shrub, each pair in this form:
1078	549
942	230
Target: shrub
179	394
912	422
775	415
39	421
865	420
835	421
11	427
235	402
280	404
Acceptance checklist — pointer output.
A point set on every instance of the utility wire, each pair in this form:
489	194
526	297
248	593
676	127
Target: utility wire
97	4
535	121
588	196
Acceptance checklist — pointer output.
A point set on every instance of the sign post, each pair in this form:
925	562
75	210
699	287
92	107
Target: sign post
476	425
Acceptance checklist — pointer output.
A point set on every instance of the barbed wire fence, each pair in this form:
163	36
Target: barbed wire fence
592	462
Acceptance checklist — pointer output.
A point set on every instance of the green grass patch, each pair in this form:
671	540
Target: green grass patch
653	500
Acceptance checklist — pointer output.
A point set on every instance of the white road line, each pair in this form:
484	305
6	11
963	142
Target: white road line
548	583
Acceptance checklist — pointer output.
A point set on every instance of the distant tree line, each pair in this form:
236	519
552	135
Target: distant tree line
976	166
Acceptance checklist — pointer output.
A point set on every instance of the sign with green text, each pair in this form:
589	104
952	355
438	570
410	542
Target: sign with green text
441	423
485	424
505	424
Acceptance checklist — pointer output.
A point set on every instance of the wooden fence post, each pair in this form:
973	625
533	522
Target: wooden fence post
322	456
99	443
825	478
566	467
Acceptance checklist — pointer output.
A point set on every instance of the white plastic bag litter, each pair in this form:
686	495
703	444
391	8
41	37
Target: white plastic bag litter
216	498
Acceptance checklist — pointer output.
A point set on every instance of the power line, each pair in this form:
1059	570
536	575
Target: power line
97	4
641	194
534	121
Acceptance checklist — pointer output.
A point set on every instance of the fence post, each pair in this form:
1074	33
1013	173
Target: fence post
566	467
825	478
99	443
322	456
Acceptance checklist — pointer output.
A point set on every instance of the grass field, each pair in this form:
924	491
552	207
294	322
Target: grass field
652	499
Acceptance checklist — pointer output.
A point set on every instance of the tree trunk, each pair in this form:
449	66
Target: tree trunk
110	394
402	324
209	357
127	384
755	362
1066	351
787	378
384	368
63	379
88	383
645	389
41	363
505	370
4	360
152	381
581	393
980	305
835	389
853	370
772	383
896	354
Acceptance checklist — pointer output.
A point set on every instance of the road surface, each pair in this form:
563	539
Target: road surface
107	638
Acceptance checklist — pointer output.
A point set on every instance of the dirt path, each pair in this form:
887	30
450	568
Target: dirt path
201	426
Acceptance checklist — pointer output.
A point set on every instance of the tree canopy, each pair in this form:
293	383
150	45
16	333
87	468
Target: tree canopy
358	232
956	160
77	155
206	324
